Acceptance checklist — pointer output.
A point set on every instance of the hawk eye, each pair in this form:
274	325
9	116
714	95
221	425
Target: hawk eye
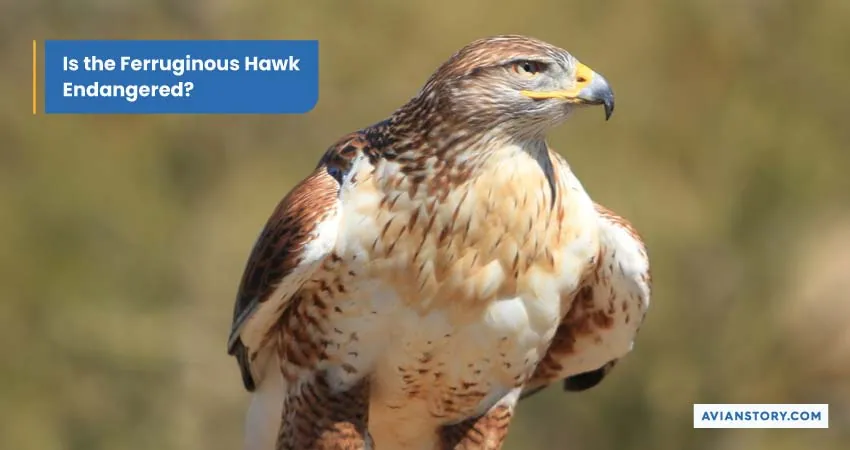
528	68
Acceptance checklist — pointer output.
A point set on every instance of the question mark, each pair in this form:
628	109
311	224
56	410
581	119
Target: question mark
189	87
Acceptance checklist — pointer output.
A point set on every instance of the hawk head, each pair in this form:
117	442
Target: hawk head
515	83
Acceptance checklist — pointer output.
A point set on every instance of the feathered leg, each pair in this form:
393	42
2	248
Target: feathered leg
486	432
316	418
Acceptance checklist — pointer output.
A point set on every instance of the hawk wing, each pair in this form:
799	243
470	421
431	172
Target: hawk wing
301	232
606	313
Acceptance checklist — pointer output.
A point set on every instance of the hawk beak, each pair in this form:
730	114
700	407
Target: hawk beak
590	89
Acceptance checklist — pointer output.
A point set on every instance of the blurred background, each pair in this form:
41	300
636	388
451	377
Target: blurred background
122	238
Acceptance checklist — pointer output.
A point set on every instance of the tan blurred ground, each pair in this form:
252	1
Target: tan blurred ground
122	238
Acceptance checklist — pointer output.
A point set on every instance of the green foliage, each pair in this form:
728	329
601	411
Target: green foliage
122	238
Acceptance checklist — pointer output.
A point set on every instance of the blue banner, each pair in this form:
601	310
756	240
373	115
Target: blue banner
179	77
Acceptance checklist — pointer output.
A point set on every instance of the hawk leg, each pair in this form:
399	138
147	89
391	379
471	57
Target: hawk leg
317	418
486	432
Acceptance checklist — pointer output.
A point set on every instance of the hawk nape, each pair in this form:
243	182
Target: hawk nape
437	265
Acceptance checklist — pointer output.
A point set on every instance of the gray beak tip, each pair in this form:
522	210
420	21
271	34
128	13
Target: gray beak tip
599	92
608	103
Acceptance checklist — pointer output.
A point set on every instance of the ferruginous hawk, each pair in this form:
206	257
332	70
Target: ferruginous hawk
437	266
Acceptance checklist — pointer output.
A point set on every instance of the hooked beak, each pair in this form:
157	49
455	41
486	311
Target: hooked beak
590	89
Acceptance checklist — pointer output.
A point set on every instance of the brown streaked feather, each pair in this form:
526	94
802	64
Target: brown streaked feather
620	221
613	299
280	252
490	51
487	432
317	418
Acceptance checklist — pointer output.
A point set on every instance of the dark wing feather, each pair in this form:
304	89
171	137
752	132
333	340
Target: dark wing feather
300	233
